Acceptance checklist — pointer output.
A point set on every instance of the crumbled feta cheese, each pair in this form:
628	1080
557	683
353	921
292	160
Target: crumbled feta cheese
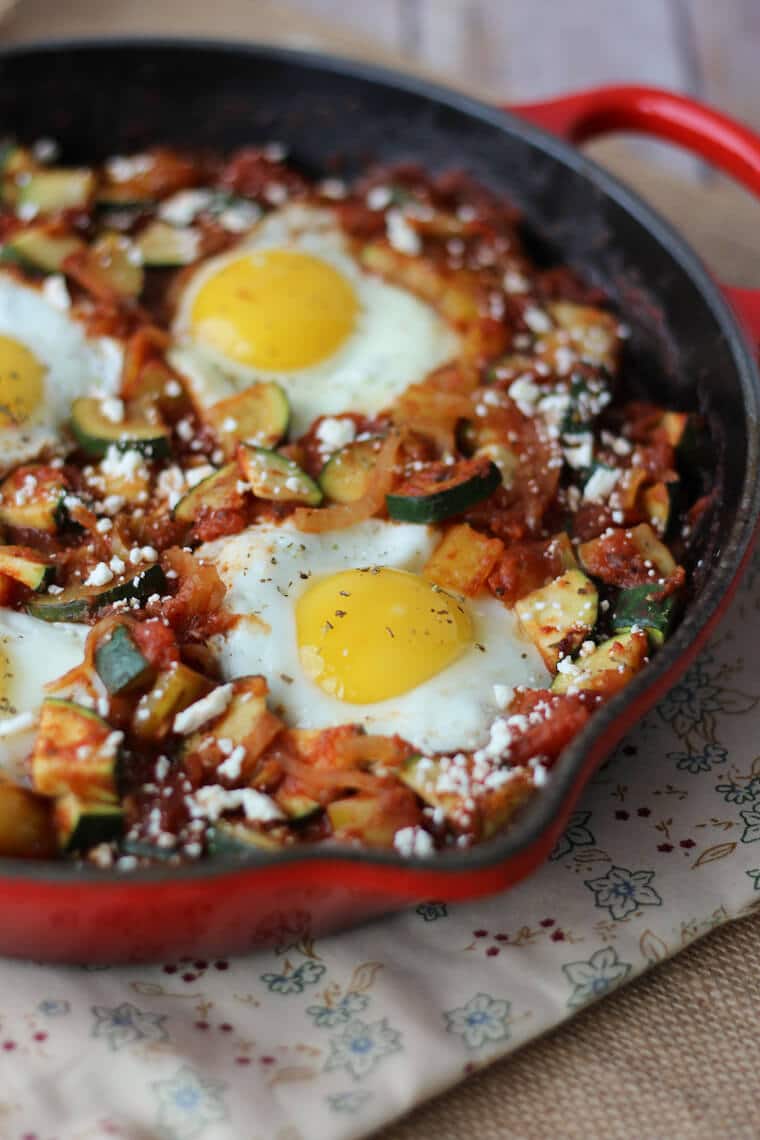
117	564
55	292
601	484
27	210
413	841
379	197
536	319
525	394
239	218
102	526
113	409
334	188
101	575
181	208
334	433
127	464
514	282
208	707
121	169
212	801
231	768
195	475
46	150
579	450
403	237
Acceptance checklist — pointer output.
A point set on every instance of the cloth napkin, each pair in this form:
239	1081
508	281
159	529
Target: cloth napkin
329	1040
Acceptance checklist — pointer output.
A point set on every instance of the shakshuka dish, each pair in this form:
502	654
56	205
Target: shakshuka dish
328	515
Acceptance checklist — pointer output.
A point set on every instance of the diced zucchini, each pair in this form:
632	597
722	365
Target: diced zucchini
228	837
26	830
36	248
163	246
245	722
603	556
558	617
80	825
75	751
607	669
498	805
218	492
119	663
297	805
115	260
362	817
686	431
561	548
95	433
650	548
439	491
52	190
79	602
657	504
463	560
423	775
258	415
273	476
26	566
32	498
345	476
640	607
173	690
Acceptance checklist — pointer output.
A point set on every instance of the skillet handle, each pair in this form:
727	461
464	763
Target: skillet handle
722	141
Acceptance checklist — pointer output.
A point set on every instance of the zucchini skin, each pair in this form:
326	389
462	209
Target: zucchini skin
80	602
120	664
80	825
637	607
27	567
455	495
275	477
345	475
95	434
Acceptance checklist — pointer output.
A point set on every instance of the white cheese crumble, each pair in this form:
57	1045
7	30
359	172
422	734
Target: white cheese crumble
213	800
334	433
181	208
239	218
379	197
403	237
208	707
113	409
100	575
413	841
580	452
232	766
536	319
601	484
55	292
123	464
525	394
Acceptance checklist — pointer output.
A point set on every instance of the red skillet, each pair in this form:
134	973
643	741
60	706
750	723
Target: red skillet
686	344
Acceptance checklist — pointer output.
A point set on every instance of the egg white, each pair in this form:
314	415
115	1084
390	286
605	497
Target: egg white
263	567
75	366
397	341
32	652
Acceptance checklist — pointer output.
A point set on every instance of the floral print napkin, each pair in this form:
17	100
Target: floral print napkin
329	1040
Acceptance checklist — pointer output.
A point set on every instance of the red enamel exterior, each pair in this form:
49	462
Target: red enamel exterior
49	915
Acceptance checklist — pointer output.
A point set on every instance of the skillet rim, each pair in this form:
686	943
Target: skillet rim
568	776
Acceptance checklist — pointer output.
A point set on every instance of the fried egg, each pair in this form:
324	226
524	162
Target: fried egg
32	652
46	361
347	631
291	304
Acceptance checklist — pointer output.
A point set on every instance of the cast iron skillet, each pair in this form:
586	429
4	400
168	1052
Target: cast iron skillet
686	347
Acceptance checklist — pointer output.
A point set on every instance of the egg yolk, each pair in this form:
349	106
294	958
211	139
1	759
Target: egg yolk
22	384
366	635
276	310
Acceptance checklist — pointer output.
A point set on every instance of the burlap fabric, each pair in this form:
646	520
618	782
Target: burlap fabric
675	1054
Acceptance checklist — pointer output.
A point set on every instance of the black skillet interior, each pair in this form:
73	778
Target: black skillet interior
103	98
